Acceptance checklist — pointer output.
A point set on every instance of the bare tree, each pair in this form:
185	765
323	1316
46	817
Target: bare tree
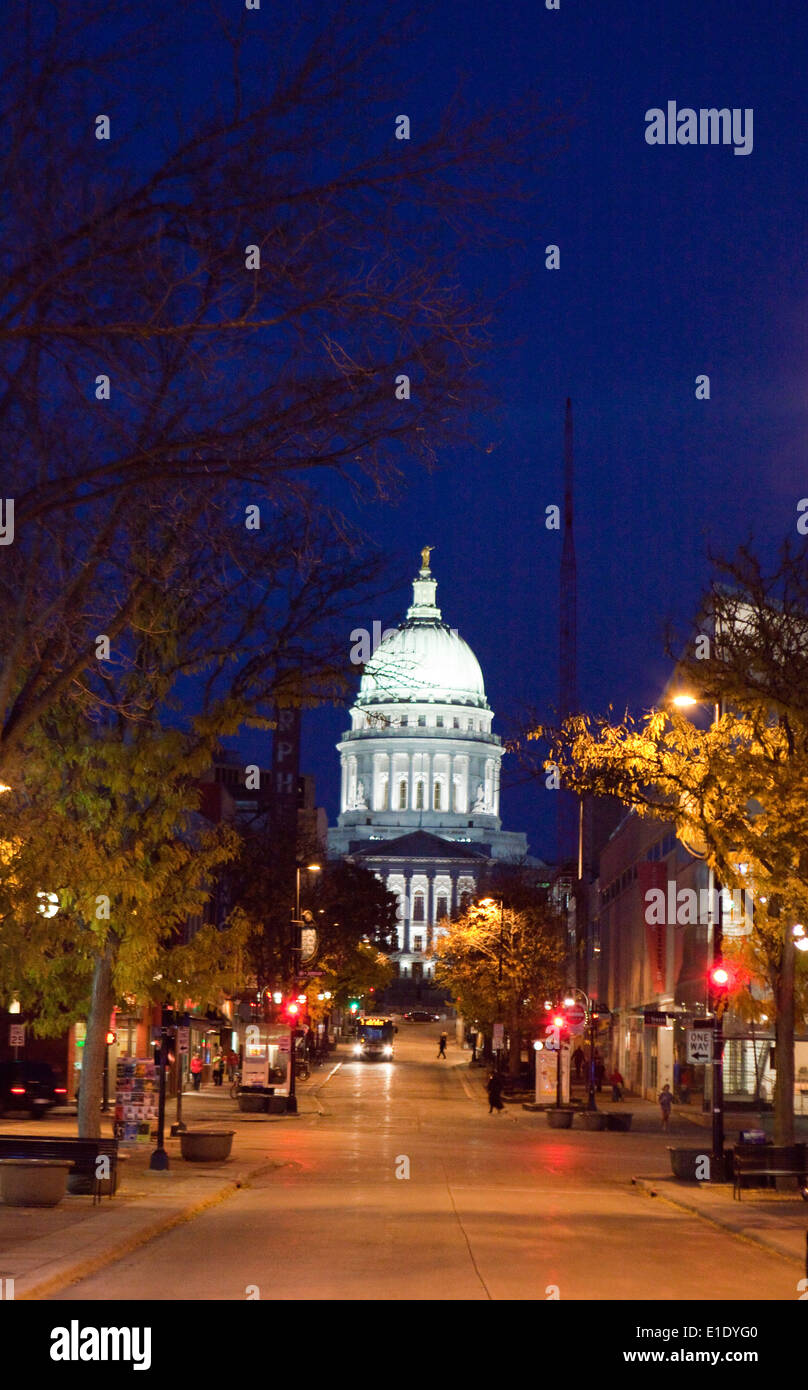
224	295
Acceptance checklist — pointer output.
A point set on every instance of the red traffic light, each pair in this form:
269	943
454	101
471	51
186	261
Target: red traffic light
559	1021
293	1009
111	1037
720	976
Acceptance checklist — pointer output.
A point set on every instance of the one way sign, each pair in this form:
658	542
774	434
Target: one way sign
699	1044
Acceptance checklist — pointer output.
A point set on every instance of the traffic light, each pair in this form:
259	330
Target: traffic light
722	980
292	1009
111	1037
354	1006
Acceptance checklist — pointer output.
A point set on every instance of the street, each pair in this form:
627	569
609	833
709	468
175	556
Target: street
494	1207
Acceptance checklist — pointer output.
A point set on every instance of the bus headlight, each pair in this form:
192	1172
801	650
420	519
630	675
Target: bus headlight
357	1052
388	1051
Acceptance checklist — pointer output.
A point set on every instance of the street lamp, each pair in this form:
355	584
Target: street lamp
686	700
291	1098
588	1004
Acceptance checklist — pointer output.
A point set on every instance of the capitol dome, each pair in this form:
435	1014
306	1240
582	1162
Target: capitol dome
424	659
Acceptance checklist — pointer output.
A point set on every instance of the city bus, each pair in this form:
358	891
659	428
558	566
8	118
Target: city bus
374	1039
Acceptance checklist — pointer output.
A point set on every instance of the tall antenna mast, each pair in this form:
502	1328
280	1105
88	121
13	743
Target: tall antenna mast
568	643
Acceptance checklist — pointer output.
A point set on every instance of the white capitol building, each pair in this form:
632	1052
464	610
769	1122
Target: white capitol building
419	804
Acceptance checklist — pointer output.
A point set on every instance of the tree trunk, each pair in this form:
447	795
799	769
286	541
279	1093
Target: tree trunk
95	1043
784	1044
515	1052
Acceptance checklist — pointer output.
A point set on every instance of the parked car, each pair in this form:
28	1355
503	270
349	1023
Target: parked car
421	1016
29	1086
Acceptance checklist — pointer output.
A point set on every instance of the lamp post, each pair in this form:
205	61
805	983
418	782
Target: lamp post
685	700
291	1099
591	1103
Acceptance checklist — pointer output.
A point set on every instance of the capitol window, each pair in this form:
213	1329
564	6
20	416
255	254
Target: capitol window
402	796
436	797
422	721
419	797
404	721
418	908
439	721
417	943
455	723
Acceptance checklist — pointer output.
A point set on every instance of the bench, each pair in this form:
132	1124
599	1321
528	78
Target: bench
83	1153
768	1161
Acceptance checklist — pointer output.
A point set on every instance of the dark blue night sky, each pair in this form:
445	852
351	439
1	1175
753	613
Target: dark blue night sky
675	261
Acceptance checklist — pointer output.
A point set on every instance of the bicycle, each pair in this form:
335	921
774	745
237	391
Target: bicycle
302	1069
235	1086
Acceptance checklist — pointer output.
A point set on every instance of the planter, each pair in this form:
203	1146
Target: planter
251	1102
276	1105
620	1120
206	1145
33	1182
593	1119
685	1161
559	1118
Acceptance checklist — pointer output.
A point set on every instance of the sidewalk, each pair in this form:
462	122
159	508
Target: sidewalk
46	1249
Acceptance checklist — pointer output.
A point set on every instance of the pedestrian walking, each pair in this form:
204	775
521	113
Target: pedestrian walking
444	1038
578	1061
600	1071
196	1070
494	1089
232	1064
617	1083
218	1069
665	1103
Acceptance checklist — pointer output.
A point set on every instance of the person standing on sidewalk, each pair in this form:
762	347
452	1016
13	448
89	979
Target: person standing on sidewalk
218	1069
665	1103
617	1083
196	1070
444	1038
494	1089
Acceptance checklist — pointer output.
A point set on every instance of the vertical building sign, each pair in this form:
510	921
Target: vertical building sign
654	876
286	772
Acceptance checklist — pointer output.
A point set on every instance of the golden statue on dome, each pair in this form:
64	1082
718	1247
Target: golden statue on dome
425	554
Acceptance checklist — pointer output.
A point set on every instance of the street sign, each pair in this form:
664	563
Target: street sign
283	1044
498	1040
576	1018
699	1044
16	1035
183	1041
654	1020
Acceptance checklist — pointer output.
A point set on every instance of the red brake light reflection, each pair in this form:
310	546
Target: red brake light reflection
18	1090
